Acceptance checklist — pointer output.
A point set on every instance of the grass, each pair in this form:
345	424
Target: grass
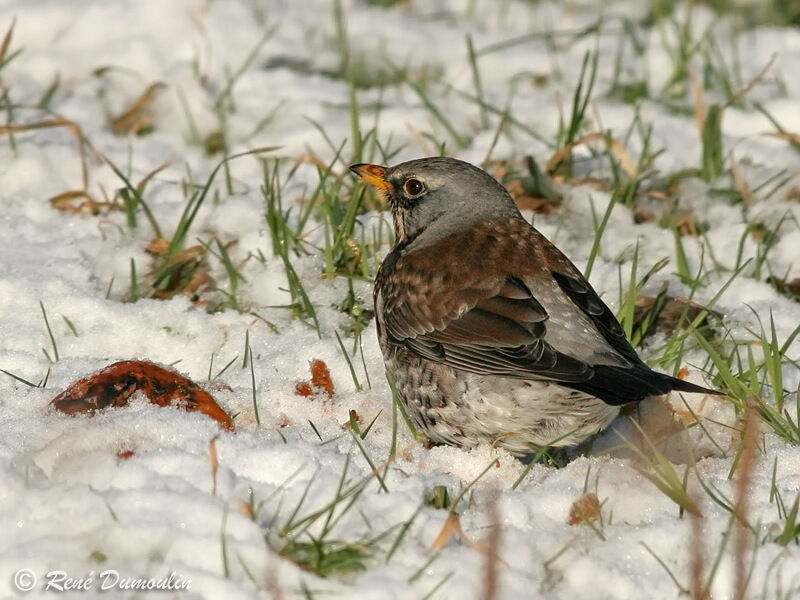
55	356
306	538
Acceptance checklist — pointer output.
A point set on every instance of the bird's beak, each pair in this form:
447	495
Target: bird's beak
374	175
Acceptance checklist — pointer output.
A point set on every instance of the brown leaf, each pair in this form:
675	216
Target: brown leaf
584	509
157	247
139	116
792	138
513	181
687	225
699	102
140	187
452	527
6	44
212	452
321	376
117	383
617	149
80	202
790	288
303	389
745	191
186	255
247	510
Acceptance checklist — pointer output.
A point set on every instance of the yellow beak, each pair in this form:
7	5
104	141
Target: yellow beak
374	175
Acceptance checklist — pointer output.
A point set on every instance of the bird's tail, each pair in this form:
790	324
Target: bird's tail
619	385
680	385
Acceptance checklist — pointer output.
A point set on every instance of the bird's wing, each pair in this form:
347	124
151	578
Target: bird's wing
578	290
502	334
460	303
456	307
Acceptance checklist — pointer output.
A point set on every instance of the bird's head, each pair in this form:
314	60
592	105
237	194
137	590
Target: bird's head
442	195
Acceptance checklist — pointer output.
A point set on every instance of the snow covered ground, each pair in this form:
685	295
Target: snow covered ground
273	73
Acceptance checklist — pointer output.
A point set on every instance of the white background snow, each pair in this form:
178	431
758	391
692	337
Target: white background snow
67	502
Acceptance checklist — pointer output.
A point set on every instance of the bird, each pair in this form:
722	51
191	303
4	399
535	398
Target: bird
489	332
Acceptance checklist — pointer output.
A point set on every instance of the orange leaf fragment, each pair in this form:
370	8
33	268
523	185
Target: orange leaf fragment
320	379
321	376
138	118
584	509
117	383
452	528
303	389
158	246
212	452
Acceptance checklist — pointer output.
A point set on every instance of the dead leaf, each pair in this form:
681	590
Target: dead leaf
687	225
212	452
321	376
791	288
741	184
303	389
7	40
320	380
139	116
157	247
617	148
699	102
584	509
786	136
80	202
117	383
451	527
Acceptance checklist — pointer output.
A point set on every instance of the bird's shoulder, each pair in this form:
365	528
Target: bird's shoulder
423	287
482	256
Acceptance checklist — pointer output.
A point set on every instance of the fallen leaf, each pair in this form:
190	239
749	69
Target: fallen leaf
117	383
303	389
321	376
791	287
616	147
451	527
584	509
80	202
214	457
745	191
138	118
158	246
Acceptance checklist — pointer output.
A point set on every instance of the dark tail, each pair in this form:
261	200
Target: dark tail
679	385
619	385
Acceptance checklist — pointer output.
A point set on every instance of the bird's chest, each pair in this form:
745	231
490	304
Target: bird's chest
380	318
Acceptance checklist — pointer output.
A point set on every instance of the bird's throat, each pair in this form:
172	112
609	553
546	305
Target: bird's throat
399	218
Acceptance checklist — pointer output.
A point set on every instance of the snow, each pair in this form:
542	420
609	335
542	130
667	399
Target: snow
69	502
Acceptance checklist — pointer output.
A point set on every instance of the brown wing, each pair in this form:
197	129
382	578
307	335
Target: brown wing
501	335
459	306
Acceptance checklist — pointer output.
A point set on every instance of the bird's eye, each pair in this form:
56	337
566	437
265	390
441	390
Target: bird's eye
413	187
